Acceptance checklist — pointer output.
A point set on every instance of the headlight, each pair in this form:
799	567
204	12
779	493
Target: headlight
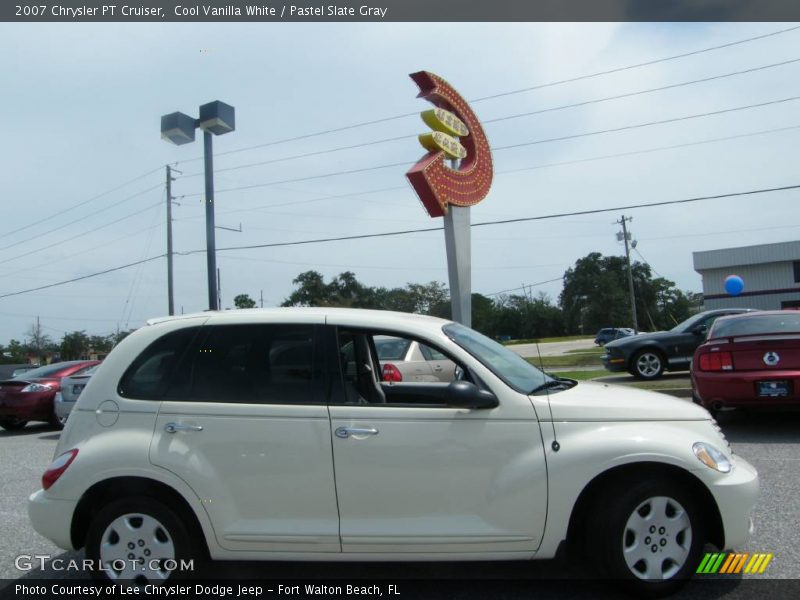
711	457
36	387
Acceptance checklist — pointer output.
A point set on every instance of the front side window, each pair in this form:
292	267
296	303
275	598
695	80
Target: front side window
255	364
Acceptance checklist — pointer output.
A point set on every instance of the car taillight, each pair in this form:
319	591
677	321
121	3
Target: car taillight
57	468
716	361
391	373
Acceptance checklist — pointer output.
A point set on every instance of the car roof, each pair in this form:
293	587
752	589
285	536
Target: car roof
756	313
353	317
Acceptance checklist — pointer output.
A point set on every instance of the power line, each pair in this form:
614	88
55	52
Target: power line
527	285
509	93
505	221
511	146
397	233
81	234
648	124
92	199
636	65
500	119
78	220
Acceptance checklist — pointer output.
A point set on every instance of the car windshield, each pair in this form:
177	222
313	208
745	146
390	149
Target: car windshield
688	323
507	365
755	325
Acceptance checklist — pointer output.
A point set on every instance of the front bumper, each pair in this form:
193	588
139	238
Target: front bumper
52	518
614	363
736	494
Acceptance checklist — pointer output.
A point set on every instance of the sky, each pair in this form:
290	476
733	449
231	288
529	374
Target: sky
83	163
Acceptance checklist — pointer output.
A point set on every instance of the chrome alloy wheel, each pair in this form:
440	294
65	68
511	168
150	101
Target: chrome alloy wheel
648	364
657	538
136	547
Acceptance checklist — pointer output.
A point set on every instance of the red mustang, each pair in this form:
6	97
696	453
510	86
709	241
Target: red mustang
29	397
749	360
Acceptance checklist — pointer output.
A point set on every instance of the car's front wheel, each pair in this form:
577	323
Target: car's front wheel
649	536
137	539
647	364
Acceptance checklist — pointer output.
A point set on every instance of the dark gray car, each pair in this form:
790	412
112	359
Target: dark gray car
648	355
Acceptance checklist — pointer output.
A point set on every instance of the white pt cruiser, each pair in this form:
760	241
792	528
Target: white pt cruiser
269	434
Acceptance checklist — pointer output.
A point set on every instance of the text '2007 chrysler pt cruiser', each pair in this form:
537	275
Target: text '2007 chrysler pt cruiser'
269	435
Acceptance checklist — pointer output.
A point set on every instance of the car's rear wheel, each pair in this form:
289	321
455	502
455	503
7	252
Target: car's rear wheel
12	424
137	539
648	536
647	364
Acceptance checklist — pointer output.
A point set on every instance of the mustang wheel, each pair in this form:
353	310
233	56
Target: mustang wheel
137	539
647	364
651	537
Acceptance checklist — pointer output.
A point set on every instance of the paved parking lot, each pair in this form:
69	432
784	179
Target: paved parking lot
770	441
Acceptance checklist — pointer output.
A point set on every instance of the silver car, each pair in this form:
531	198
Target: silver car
403	359
71	388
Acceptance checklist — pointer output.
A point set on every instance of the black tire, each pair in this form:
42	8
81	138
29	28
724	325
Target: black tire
647	536
647	364
162	530
56	423
12	424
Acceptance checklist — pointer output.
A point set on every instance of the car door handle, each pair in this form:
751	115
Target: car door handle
437	368
346	432
173	427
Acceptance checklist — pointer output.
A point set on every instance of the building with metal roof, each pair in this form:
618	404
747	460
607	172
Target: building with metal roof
771	274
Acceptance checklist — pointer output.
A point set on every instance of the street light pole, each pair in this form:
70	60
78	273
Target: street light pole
216	118
211	240
170	296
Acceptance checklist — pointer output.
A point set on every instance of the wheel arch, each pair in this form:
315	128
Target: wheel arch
709	511
107	490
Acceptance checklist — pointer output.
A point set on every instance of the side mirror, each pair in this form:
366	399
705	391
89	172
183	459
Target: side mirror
464	394
701	330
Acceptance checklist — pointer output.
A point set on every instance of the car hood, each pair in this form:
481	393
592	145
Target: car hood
591	401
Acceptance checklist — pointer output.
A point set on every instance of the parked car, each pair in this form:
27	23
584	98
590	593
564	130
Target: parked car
191	441
408	360
750	360
20	370
29	397
71	387
648	355
608	334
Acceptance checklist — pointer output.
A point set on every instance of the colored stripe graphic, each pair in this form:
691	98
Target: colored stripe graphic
731	563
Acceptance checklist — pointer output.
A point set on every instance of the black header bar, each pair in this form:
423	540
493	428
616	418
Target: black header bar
400	10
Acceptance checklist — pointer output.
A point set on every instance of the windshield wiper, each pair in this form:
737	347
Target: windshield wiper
552	384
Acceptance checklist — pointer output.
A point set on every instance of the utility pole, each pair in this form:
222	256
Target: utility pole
170	291
219	291
625	237
262	298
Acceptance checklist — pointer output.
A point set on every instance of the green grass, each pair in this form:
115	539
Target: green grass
586	359
547	340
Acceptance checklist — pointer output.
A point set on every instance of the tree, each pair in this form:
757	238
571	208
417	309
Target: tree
37	342
74	345
311	290
244	301
595	295
15	352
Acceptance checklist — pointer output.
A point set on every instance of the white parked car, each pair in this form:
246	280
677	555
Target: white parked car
258	434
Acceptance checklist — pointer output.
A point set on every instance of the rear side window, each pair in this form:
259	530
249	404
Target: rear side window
255	364
756	325
154	370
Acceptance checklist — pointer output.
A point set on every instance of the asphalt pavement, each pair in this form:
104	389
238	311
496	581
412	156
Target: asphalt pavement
770	441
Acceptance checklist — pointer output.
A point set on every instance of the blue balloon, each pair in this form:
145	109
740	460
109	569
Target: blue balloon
734	285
